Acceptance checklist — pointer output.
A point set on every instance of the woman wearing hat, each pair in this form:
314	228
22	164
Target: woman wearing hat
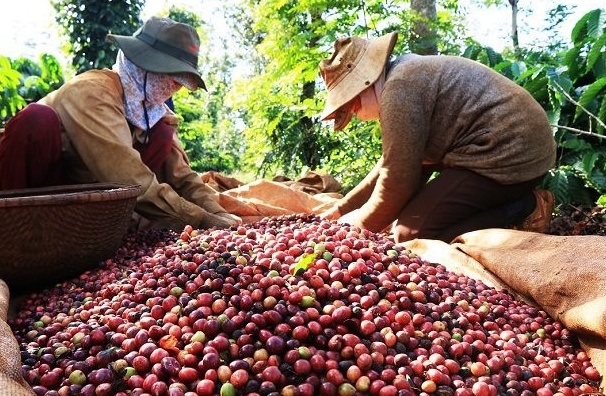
114	126
489	140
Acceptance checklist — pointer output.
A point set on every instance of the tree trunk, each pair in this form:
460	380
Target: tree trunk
514	26
424	38
309	139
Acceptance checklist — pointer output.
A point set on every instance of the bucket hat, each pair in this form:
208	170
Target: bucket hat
162	45
355	64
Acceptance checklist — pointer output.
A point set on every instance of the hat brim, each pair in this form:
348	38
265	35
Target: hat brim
364	74
150	59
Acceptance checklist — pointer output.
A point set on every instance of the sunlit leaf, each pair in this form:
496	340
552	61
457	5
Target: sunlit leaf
306	261
596	53
590	94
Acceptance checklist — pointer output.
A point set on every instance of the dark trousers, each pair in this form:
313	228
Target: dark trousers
459	201
31	149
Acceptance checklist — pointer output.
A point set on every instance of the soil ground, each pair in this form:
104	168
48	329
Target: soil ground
579	220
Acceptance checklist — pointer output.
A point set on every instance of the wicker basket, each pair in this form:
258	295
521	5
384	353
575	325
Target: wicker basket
50	234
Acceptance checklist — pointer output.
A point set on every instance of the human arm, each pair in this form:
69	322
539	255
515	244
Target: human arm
356	197
405	114
178	173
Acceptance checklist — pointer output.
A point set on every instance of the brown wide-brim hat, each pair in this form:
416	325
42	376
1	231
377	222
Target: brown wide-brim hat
355	65
162	45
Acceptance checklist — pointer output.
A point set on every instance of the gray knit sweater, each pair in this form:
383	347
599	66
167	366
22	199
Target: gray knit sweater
457	113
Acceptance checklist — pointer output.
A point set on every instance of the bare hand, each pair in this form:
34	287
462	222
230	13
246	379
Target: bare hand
235	220
352	218
220	220
331	213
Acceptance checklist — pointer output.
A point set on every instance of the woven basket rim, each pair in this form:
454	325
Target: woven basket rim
68	194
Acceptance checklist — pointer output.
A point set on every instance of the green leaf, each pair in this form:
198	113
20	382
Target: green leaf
557	182
559	80
537	87
590	95
596	23
304	263
602	115
588	24
596	52
575	144
571	60
493	57
589	160
471	52
597	180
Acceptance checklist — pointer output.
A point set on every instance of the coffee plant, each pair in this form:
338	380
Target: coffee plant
10	100
86	24
571	87
24	81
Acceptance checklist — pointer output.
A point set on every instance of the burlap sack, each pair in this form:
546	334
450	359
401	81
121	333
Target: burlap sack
455	260
564	275
11	380
262	198
312	183
220	182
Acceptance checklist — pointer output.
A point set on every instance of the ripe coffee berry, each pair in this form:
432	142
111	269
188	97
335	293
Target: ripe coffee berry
288	305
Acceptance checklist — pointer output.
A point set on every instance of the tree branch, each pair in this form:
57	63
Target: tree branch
582	108
580	131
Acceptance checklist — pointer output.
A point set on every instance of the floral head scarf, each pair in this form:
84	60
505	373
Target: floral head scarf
145	93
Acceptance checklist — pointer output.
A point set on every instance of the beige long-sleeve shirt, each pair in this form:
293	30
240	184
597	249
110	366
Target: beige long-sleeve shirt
457	113
98	147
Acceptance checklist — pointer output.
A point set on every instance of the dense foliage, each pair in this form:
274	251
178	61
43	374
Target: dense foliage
570	86
260	114
23	81
208	135
282	127
87	23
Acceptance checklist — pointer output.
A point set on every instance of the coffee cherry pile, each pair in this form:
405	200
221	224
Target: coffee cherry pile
289	306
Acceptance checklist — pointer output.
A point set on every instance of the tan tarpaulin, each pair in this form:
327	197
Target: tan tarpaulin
11	380
313	193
